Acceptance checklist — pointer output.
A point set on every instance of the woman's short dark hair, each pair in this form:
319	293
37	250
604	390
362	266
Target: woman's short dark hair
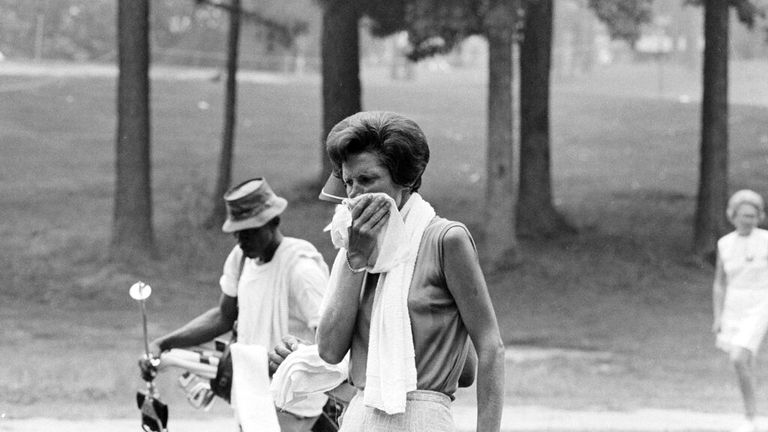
398	142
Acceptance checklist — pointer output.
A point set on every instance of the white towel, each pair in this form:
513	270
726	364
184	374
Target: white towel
302	378
391	243
251	399
267	320
391	366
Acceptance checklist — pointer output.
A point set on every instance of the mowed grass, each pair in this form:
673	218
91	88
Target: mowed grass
625	288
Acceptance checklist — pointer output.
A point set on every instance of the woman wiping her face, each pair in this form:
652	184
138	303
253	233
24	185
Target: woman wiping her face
407	297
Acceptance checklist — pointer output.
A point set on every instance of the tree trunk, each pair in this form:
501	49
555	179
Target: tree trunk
499	236
218	212
536	214
710	221
340	53
132	225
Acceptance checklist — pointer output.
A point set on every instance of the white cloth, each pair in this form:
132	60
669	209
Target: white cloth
391	367
277	298
745	311
304	376
251	399
391	243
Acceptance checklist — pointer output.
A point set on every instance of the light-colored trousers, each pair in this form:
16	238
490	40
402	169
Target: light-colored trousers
425	411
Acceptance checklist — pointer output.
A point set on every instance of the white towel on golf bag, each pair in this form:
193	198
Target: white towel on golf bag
391	366
251	399
303	377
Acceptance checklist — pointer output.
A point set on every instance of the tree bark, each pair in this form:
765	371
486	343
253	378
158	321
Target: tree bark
132	233
224	180
536	213
340	52
499	237
710	221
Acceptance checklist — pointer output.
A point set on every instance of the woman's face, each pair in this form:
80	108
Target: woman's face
745	218
364	173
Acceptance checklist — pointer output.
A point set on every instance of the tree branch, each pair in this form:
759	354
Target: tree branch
747	11
287	32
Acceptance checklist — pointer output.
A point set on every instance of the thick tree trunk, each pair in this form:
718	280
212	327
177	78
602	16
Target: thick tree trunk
132	233
224	180
710	221
536	214
499	236
340	53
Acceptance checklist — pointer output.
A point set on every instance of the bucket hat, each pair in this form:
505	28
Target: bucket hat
251	204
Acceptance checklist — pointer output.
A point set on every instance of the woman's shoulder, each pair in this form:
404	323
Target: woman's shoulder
727	239
440	226
448	234
445	238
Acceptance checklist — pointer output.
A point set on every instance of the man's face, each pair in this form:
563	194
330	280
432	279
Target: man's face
255	241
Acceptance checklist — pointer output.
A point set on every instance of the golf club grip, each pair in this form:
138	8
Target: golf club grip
194	356
188	360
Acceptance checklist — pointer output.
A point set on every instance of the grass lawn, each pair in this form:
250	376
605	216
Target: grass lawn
624	288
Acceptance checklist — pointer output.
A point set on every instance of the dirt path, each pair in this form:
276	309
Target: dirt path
516	418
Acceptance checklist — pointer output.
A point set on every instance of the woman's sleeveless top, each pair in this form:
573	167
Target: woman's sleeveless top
440	339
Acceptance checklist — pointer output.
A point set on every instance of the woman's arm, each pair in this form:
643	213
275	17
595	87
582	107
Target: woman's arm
469	371
718	294
337	322
467	284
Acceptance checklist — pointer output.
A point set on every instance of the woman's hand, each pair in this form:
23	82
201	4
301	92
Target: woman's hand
369	214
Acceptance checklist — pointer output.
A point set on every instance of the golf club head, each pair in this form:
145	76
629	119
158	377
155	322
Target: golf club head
140	291
154	413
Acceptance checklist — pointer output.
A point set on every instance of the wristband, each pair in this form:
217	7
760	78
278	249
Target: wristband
352	269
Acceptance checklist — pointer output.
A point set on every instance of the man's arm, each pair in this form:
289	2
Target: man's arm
308	282
211	323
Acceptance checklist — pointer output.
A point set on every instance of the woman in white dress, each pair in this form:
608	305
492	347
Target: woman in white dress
740	293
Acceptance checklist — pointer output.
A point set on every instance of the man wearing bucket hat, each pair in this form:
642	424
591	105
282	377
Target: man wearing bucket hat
272	286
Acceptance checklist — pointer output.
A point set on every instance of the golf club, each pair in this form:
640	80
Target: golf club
154	413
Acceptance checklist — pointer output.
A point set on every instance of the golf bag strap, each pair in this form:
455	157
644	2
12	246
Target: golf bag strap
222	384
